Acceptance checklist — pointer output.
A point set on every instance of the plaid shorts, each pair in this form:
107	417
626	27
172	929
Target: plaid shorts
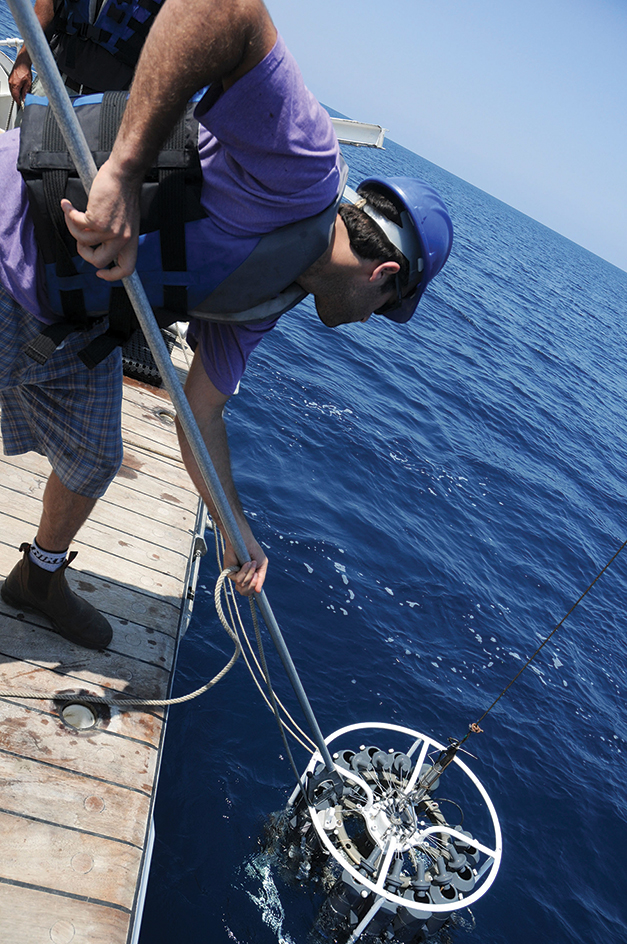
60	409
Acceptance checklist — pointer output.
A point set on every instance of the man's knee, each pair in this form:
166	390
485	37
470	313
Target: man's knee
89	476
108	474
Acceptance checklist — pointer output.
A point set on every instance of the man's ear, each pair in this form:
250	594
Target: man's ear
384	271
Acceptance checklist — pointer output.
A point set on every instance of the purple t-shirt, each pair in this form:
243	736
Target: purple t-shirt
269	157
19	269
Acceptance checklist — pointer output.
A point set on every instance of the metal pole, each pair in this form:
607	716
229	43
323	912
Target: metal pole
46	68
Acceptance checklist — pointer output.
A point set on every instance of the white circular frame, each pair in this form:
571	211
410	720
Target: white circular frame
488	870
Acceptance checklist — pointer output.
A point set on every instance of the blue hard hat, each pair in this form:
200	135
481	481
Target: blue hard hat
425	235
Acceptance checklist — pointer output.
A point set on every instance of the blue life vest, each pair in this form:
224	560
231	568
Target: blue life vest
119	31
248	278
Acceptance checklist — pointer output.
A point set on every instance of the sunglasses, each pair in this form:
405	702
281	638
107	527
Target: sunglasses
394	302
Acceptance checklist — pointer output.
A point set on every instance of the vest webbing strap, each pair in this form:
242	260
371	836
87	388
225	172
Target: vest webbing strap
122	320
128	50
45	344
111	112
125	50
172	224
122	324
54	183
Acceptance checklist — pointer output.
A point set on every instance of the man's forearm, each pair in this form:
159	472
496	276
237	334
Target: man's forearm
215	438
44	11
192	43
248	577
207	404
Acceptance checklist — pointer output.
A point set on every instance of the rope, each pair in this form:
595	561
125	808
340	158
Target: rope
288	721
122	701
275	708
474	727
256	667
184	345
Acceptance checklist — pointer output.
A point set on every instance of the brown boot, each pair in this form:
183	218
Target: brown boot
31	587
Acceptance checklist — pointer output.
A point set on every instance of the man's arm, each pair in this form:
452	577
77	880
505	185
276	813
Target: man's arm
21	77
207	404
192	43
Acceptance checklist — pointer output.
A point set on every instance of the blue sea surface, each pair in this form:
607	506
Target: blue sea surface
433	499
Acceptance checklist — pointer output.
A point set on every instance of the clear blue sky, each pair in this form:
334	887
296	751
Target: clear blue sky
526	99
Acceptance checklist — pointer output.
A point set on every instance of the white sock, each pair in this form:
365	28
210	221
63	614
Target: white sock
47	560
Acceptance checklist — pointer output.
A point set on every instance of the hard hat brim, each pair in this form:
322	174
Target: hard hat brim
433	227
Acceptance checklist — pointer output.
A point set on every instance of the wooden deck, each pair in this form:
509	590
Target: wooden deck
76	806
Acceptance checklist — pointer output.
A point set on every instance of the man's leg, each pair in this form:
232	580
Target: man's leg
72	416
64	512
38	581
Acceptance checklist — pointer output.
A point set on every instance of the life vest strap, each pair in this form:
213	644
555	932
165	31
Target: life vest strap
54	183
45	344
122	321
171	208
112	111
128	50
122	324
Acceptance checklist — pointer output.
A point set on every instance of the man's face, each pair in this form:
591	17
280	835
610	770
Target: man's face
348	306
346	288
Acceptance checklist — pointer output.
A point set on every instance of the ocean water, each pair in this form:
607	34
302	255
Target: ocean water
433	498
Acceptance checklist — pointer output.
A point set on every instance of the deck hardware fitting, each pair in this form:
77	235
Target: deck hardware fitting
166	416
79	716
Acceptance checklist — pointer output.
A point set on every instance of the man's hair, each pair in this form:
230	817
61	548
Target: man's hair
366	238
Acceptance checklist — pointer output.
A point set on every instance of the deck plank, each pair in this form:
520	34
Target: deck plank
76	862
58	919
122	749
141	603
168	472
72	799
154	652
135	521
75	806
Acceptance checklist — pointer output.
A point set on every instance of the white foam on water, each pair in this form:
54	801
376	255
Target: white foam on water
267	899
